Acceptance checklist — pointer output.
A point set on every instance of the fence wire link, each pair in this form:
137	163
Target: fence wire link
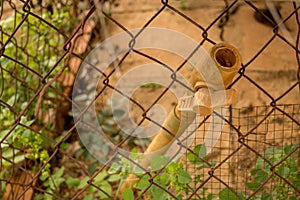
256	157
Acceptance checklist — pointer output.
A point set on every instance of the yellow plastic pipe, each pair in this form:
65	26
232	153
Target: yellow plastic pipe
228	61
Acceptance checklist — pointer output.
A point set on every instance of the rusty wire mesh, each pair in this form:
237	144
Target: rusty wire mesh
36	100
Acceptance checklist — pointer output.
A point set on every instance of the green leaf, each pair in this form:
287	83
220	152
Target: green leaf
173	179
118	113
296	183
199	152
193	158
64	145
213	163
11	101
291	163
3	133
109	122
197	148
79	152
158	161
113	178
297	197
210	196
127	194
57	181
284	171
100	177
184	177
106	112
274	154
157	193
171	167
105	186
59	172
134	155
83	182
199	178
259	175
143	183
3	186
287	149
9	153
114	168
44	176
107	128
19	158
179	196
88	197
266	196
202	151
205	165
259	162
72	182
25	122
227	194
164	179
253	185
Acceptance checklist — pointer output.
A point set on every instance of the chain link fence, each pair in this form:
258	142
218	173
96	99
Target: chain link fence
43	44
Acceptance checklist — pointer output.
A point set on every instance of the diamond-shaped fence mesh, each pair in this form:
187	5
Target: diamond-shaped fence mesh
250	144
59	62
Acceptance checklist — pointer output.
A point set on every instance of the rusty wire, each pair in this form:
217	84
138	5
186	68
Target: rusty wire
243	130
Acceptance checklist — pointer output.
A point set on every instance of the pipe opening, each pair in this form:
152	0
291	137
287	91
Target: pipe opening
225	57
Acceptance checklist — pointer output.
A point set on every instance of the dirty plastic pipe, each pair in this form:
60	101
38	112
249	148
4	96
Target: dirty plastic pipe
208	95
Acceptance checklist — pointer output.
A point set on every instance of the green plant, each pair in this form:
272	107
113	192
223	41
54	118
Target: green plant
173	177
104	180
151	86
107	120
289	169
228	194
21	138
38	47
51	182
183	4
197	158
